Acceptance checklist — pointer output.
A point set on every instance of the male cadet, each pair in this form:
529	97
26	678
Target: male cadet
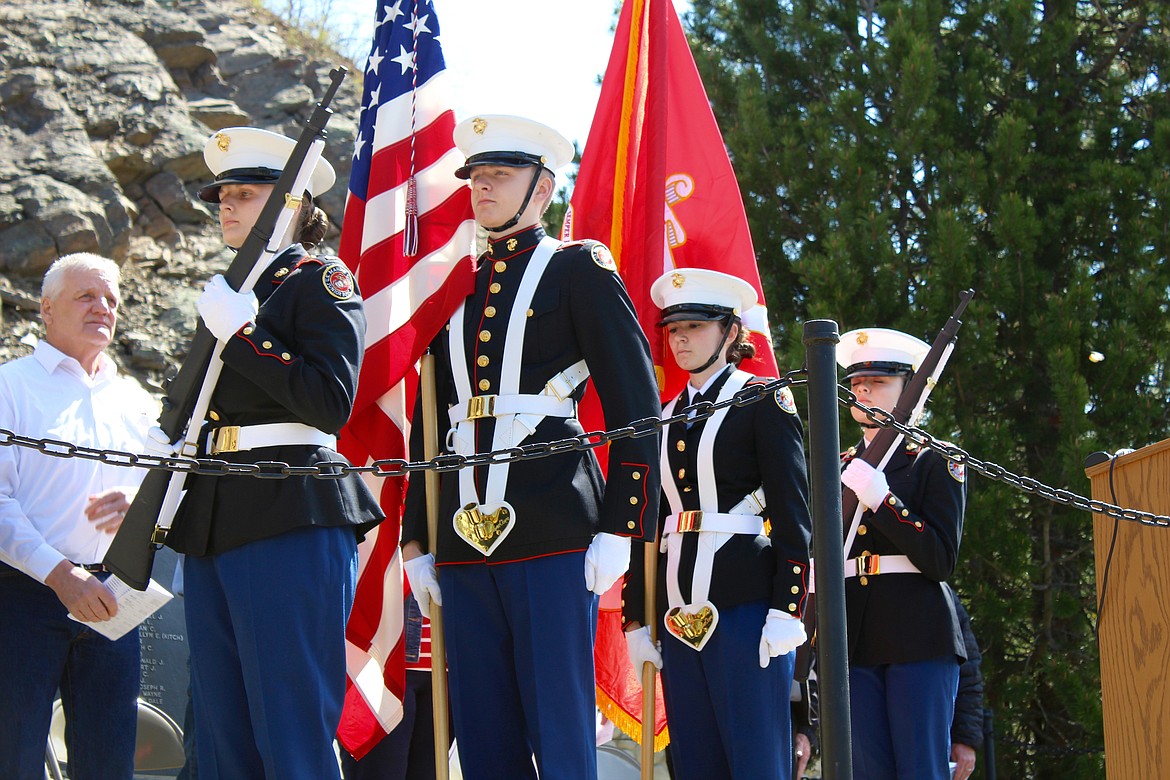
521	545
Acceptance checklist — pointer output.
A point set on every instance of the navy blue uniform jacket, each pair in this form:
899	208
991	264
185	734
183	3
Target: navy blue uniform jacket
299	362
580	309
758	444
901	618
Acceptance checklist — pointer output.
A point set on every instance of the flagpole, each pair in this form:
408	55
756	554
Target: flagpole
438	639
648	670
654	247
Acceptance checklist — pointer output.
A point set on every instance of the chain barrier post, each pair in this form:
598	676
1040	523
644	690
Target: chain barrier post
989	744
832	645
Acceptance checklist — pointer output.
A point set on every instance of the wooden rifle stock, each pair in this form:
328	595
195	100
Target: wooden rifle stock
912	397
131	554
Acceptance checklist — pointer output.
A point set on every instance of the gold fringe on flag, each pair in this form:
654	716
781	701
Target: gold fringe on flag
629	725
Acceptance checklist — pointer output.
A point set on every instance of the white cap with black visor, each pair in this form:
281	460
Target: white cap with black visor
511	142
701	294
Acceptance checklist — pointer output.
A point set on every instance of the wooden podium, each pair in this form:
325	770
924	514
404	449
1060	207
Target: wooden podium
1134	622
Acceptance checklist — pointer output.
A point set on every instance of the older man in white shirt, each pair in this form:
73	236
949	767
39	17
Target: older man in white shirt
57	518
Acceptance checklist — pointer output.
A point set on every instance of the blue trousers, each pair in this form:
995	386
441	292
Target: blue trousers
901	719
41	651
728	717
520	661
266	625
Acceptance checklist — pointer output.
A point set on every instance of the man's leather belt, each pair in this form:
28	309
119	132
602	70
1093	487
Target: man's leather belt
872	564
238	438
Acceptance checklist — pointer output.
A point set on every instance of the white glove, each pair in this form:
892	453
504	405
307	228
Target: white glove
643	649
424	582
607	558
868	483
223	309
782	634
159	444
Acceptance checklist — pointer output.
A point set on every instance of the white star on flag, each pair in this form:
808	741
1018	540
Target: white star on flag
405	59
419	26
375	62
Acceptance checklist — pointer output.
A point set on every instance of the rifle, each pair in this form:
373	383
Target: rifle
877	453
144	528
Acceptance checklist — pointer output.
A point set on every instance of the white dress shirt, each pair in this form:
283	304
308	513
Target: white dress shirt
43	498
693	391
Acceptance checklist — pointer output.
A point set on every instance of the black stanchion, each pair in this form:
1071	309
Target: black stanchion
989	744
820	343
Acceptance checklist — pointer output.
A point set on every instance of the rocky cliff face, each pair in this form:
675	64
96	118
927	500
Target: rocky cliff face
104	109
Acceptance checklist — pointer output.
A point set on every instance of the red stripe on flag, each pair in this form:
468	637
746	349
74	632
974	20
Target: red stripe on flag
384	358
391	163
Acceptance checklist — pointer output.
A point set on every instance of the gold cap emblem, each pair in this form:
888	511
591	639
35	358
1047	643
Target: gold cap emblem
862	338
479	125
223	141
678	280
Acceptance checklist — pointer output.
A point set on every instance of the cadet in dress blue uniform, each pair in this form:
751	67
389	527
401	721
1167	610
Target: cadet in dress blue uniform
521	545
730	595
905	644
271	564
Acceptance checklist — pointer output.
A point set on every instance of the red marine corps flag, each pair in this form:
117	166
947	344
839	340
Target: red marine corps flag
408	236
654	148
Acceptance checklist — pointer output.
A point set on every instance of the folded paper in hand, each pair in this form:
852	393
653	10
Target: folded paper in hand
134	606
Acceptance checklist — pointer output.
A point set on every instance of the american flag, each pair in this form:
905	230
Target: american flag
408	235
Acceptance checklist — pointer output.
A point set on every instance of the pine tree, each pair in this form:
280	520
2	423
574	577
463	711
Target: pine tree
892	154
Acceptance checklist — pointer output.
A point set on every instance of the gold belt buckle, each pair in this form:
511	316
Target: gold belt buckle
483	530
690	520
481	406
692	624
869	565
227	439
552	386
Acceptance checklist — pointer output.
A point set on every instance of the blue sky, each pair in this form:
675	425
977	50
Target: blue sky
536	58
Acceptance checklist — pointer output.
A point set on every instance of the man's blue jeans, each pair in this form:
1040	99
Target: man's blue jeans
41	651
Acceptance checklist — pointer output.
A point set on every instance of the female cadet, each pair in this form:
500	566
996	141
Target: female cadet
905	643
271	564
732	594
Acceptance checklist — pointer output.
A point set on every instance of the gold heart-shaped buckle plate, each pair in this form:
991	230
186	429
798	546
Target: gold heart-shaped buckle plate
485	526
692	624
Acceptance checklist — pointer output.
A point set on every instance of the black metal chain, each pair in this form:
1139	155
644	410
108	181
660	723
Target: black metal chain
398	467
996	472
